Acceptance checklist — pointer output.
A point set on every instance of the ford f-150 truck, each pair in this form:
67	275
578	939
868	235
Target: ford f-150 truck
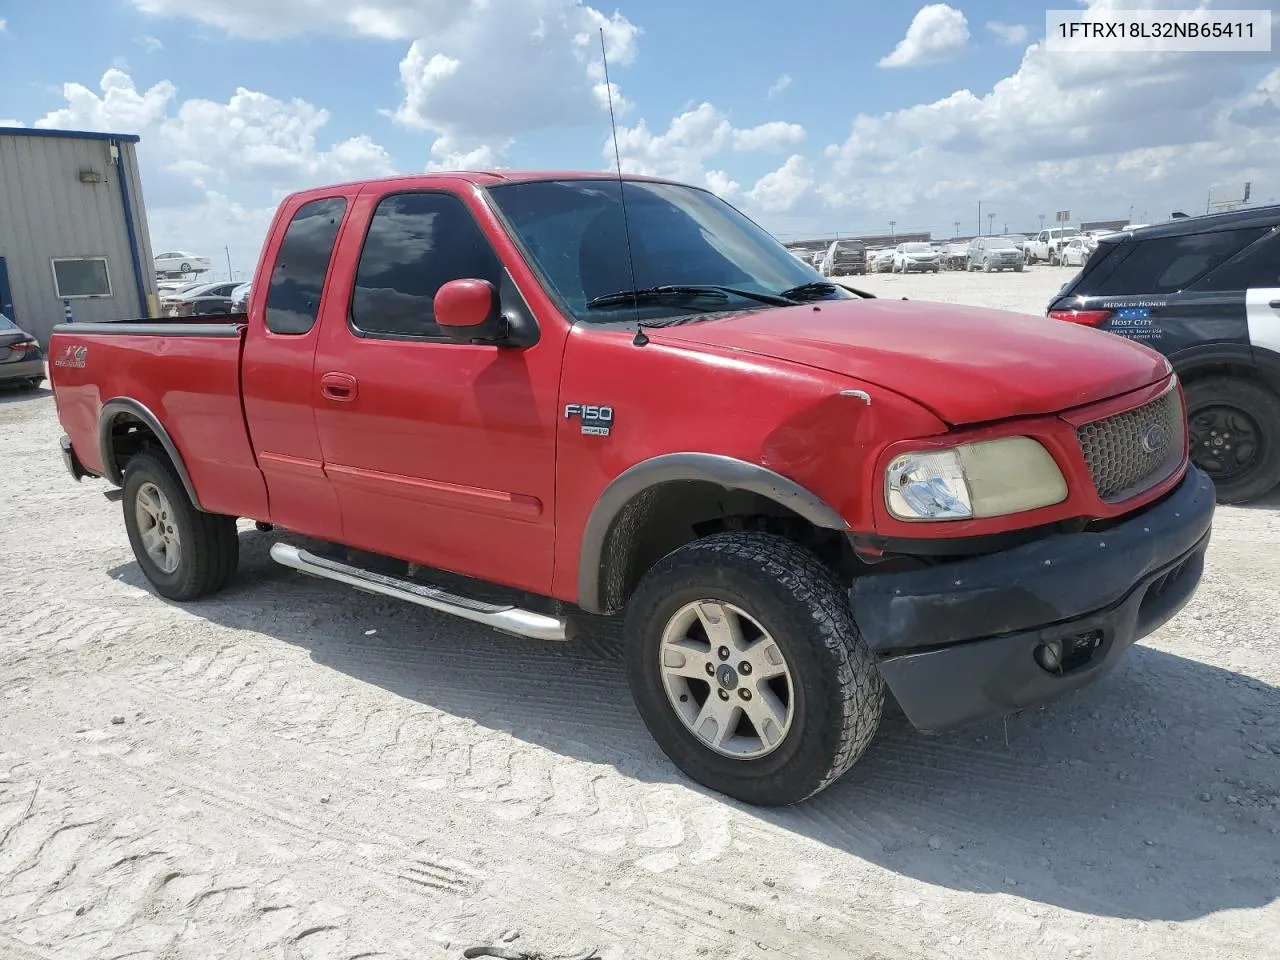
530	400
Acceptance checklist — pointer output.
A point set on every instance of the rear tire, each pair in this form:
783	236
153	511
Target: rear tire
1235	436
207	546
835	695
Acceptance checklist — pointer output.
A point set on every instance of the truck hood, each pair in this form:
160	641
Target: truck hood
966	364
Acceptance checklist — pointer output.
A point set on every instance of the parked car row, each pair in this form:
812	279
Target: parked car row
199	299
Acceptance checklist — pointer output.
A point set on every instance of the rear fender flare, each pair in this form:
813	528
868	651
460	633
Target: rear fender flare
727	472
121	407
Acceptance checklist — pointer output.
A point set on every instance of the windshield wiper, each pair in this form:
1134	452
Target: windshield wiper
818	288
686	291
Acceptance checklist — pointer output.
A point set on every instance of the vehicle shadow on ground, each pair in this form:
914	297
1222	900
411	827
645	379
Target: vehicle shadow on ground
1270	501
10	394
1150	795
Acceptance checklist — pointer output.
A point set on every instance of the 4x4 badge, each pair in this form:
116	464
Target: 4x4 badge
72	356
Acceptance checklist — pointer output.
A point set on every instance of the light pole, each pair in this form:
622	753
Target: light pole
227	251
957	233
991	223
892	224
979	218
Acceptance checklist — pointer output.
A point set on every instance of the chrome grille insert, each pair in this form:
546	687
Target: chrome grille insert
1131	452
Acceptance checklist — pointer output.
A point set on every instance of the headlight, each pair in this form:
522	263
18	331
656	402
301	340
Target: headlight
974	480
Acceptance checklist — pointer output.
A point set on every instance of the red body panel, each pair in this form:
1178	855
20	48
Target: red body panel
966	364
191	384
446	455
458	455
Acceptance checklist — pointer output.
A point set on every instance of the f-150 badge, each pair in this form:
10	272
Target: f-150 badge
596	420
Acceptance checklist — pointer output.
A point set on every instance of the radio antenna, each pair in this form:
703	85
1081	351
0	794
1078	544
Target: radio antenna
622	194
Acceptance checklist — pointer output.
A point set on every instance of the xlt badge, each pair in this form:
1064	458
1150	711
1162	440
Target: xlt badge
596	420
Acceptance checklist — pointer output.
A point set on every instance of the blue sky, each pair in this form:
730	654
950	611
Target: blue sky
814	118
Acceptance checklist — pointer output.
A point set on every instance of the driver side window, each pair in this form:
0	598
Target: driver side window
417	242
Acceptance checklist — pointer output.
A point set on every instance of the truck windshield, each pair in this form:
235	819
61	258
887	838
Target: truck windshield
574	233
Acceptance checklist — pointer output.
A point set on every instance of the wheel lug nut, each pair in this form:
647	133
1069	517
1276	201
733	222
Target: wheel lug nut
744	668
711	671
744	693
724	653
724	694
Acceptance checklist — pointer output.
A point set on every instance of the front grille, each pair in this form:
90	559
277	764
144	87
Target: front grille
1133	451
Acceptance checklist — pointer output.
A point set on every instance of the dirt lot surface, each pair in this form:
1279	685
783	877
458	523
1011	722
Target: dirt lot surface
292	770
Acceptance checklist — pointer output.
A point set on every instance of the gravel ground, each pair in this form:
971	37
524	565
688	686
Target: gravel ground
291	770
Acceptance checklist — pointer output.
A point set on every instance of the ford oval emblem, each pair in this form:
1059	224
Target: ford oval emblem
1156	438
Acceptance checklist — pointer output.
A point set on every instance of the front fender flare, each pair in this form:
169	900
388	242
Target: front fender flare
727	472
119	407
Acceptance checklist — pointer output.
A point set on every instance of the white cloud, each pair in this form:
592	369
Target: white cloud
937	32
454	85
720	183
474	70
251	145
11	123
4	24
252	135
1010	33
483	157
781	190
1092	134
768	136
779	85
693	137
120	108
696	137
150	44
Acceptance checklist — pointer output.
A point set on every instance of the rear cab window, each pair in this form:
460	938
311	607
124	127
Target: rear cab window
302	264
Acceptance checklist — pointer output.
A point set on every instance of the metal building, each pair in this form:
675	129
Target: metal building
73	233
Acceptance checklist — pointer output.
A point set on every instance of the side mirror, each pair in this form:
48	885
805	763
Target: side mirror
470	311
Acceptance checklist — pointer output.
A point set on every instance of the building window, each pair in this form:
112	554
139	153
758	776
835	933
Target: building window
76	278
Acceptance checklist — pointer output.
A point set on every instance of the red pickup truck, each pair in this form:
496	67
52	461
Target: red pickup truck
533	399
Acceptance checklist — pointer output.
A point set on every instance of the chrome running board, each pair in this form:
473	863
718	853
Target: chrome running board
504	617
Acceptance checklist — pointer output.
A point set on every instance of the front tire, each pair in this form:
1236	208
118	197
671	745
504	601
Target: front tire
748	669
1235	436
185	552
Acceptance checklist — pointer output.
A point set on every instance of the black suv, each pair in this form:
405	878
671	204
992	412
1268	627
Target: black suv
1205	292
845	257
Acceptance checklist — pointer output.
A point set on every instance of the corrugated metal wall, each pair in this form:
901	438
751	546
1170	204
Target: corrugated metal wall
46	212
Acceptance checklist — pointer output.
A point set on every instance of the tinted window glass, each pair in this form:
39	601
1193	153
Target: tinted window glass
574	232
1258	266
6	323
1170	264
417	242
293	299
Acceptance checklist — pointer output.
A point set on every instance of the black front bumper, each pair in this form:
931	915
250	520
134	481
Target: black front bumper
957	642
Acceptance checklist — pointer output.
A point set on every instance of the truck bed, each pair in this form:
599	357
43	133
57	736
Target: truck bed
182	372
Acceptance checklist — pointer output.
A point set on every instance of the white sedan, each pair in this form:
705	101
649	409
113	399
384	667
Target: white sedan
1074	253
180	261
